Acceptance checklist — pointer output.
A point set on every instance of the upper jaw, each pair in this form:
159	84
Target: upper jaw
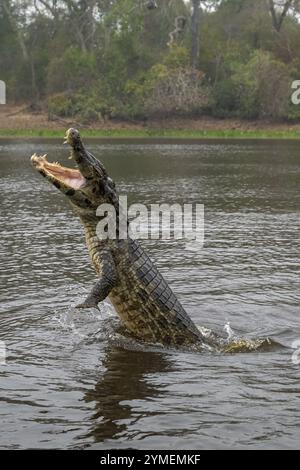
60	176
83	159
72	137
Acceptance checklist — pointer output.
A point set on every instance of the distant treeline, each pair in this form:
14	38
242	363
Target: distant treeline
100	59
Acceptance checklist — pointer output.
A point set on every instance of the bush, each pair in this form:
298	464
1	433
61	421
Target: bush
181	91
225	99
74	70
87	107
293	112
178	56
258	89
60	105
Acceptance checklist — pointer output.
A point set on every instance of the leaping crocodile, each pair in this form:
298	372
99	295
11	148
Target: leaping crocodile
144	301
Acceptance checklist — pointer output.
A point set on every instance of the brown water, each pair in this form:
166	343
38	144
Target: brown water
67	384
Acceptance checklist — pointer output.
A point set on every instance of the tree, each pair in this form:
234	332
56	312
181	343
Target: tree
195	33
10	10
195	26
279	9
90	58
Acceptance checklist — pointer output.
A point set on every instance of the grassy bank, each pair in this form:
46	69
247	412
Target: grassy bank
157	133
19	122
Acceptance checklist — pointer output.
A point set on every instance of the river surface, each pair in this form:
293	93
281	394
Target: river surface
68	383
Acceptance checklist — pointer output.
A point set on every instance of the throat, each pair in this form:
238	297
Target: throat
92	241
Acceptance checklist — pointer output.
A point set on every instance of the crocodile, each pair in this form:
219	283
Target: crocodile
145	303
148	308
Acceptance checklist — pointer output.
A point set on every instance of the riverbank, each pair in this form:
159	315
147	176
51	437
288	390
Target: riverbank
149	133
20	122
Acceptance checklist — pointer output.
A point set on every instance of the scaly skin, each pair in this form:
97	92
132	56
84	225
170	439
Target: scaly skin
142	298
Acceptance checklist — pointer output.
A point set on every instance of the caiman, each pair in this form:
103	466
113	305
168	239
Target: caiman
144	301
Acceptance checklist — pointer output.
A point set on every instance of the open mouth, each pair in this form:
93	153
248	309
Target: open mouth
68	176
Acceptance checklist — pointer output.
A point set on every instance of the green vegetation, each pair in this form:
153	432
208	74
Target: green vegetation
96	60
151	133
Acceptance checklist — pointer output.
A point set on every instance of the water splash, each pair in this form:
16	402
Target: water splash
229	331
237	344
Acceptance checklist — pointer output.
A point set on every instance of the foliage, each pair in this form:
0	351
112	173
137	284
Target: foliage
74	70
107	132
100	59
178	91
265	84
85	107
259	88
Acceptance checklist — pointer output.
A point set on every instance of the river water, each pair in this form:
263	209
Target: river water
67	383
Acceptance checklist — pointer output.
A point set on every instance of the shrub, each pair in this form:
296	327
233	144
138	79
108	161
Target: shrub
181	90
87	107
178	56
264	87
225	99
74	70
293	112
60	105
258	89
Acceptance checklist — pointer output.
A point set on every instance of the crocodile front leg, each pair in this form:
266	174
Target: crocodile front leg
106	269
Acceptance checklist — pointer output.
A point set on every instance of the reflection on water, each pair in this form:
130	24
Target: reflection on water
66	384
124	381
